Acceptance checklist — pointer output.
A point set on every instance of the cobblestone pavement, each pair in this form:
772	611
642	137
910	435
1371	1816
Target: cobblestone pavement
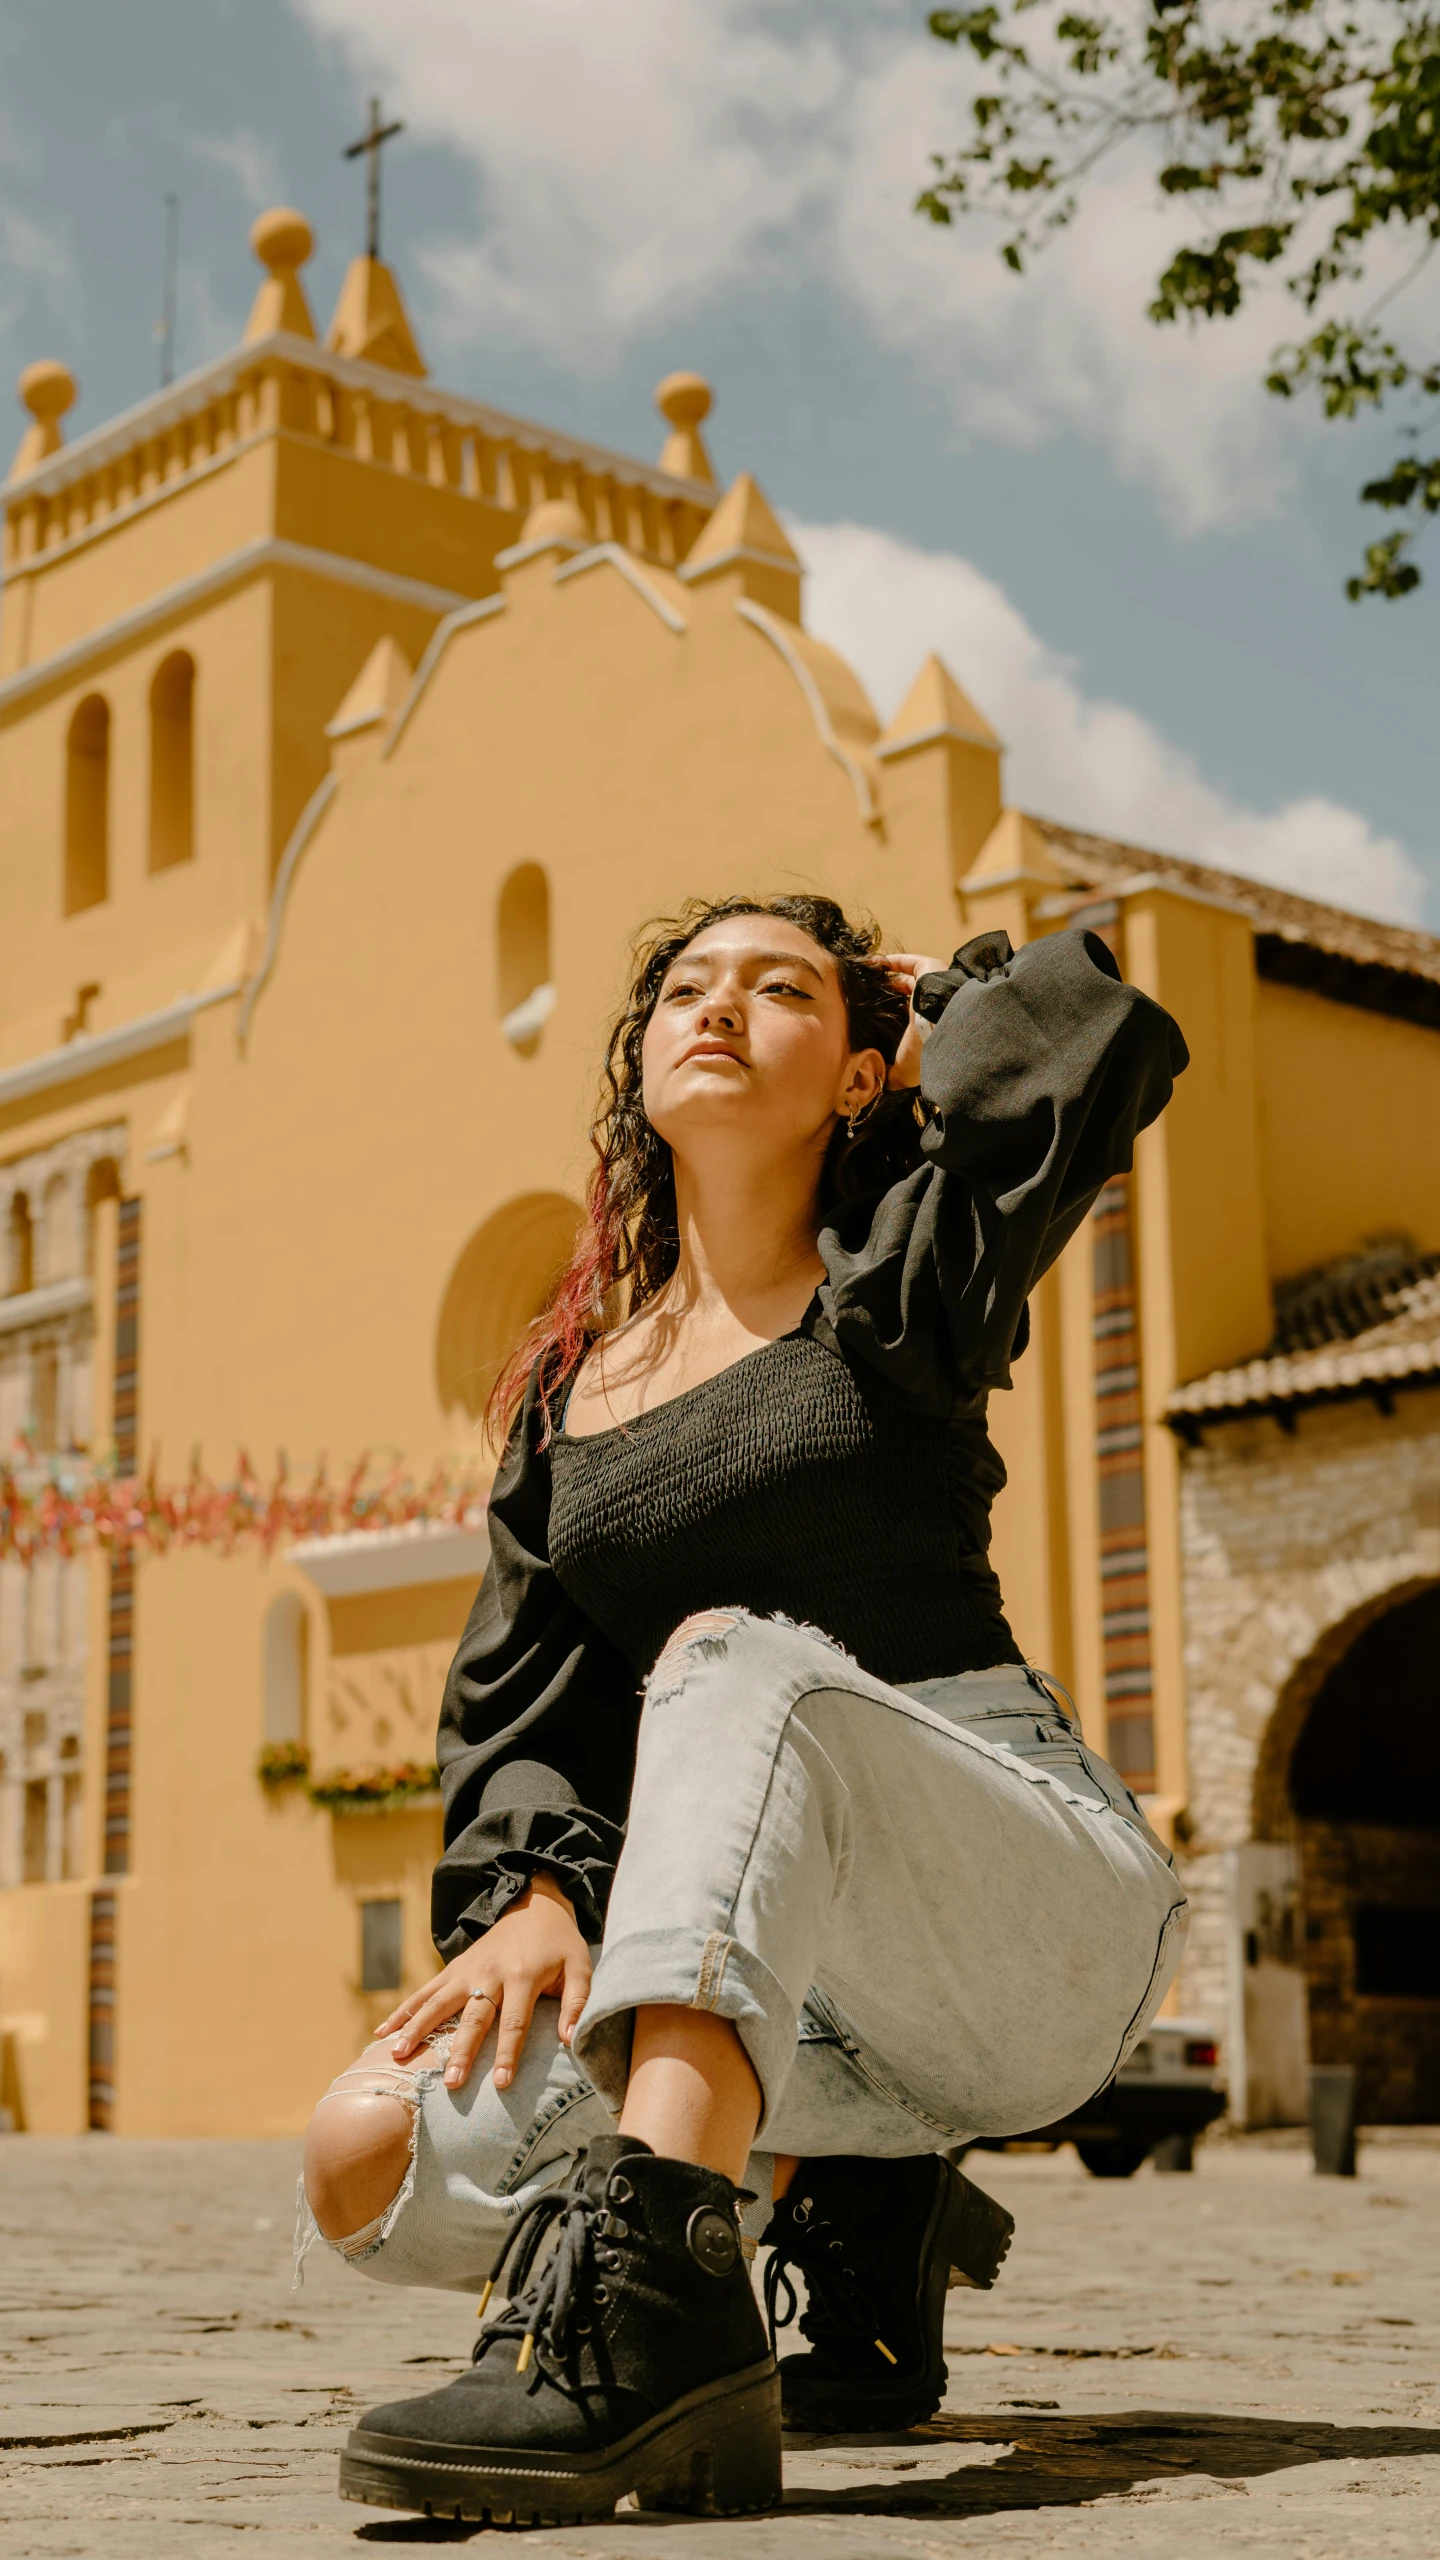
1239	2362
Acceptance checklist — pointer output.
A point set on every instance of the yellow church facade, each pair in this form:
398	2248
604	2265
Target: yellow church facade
347	730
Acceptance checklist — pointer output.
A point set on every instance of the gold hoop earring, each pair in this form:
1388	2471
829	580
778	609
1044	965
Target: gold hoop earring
862	1115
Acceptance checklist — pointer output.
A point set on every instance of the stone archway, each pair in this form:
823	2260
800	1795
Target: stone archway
1349	1769
1272	1817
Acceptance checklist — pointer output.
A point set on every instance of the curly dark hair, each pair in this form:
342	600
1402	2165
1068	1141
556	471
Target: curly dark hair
629	1243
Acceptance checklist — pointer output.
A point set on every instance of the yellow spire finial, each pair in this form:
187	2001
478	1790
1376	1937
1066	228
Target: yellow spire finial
683	400
47	390
282	241
370	319
937	707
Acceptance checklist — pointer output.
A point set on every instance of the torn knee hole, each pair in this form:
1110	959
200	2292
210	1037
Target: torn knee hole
389	2080
378	2075
359	2163
705	1634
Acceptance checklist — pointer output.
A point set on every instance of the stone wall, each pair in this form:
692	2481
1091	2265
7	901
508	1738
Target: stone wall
1393	2040
1290	1542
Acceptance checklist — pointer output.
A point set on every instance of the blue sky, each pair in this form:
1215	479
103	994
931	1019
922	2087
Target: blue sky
1131	558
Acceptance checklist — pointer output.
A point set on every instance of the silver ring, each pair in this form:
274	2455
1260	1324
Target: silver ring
485	1995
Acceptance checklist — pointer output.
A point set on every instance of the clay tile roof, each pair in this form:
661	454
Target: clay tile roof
1288	928
1339	1300
1403	1350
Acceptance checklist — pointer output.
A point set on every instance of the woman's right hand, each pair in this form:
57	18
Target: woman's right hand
534	1952
905	969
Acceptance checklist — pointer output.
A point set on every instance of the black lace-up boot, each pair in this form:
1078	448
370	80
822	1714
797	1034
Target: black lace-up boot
631	2357
875	2241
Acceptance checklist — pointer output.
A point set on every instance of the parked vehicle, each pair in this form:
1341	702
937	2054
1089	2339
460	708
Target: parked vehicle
1168	2090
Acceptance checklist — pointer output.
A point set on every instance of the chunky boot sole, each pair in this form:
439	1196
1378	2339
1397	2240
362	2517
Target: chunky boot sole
980	2234
966	2241
714	2453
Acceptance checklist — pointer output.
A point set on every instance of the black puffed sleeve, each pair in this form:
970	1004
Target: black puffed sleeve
537	1728
1041	1067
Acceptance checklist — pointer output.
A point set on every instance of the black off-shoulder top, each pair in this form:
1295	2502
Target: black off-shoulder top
800	1482
842	1475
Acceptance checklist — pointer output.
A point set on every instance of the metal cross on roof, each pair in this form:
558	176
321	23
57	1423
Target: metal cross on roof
371	143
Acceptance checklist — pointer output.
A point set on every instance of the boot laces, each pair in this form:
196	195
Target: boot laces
546	2316
841	2308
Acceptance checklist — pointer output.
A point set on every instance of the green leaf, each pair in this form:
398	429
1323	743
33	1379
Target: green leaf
1386	572
1311	129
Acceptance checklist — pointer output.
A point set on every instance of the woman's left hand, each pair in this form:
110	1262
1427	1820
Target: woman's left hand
903	968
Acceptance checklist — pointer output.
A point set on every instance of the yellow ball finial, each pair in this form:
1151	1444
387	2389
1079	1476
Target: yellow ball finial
684	399
47	390
282	239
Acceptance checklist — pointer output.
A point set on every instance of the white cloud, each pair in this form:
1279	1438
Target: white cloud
247	157
637	161
1092	764
1071	345
35	251
634	159
39	265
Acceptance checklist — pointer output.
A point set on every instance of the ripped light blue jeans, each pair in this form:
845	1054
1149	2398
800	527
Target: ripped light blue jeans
930	1913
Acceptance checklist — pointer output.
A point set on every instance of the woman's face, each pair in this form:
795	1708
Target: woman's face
749	1043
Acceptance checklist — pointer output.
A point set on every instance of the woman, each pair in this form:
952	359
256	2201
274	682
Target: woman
857	1887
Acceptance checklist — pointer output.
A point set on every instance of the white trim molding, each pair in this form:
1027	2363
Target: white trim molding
251	560
1141	884
1138	884
300	835
694	571
34	1306
435	648
976	883
774	631
611	555
517	553
97	1049
361	1560
885	748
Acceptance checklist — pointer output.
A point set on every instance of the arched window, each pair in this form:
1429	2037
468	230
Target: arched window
525	989
44	1426
286	1659
57	1230
72	1850
172	761
35	1838
504	1277
101	1183
87	805
20	1247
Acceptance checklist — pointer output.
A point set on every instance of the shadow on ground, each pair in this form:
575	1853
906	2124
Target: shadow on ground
1048	2462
